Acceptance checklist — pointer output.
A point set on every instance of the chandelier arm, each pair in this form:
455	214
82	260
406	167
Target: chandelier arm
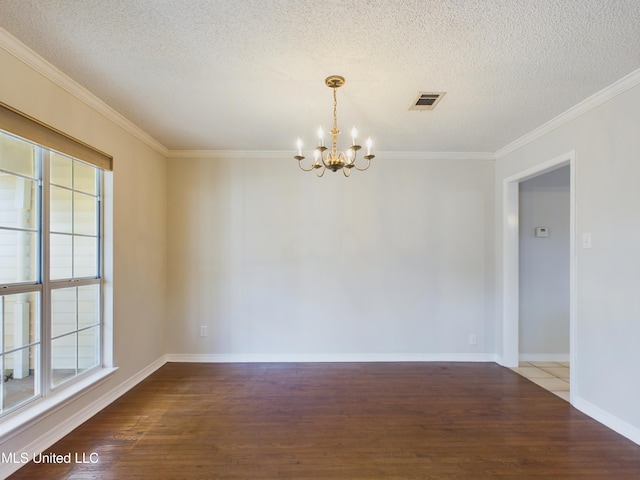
351	160
305	169
322	157
346	171
361	169
323	170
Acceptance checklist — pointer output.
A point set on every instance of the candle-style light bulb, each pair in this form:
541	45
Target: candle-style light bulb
299	144
369	146
320	136
354	134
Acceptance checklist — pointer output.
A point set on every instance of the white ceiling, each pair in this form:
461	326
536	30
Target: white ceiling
249	74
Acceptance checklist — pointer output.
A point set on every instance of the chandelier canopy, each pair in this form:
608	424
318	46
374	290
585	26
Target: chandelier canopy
333	159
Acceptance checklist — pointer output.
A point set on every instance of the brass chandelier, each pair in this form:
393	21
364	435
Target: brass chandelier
333	159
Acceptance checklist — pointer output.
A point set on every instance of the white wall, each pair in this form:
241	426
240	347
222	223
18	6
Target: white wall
394	260
544	266
607	357
136	246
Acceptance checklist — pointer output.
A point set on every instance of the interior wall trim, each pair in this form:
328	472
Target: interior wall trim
329	358
614	423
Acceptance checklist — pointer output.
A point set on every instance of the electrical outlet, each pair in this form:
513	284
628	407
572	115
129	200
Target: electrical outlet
203	330
473	340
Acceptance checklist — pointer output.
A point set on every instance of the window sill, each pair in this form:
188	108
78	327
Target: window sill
16	423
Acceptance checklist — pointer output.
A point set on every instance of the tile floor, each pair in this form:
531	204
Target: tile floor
552	376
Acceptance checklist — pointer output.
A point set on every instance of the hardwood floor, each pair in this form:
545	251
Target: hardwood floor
341	421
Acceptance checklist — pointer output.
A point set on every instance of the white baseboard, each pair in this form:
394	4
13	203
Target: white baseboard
77	419
611	421
544	357
329	357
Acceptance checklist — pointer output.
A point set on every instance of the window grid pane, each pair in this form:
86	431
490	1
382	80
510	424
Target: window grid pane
64	316
61	256
61	210
20	347
85	214
18	202
64	358
18	256
88	348
85	178
88	306
17	156
61	172
85	257
20	389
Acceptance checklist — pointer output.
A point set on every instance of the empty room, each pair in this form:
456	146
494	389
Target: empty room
318	239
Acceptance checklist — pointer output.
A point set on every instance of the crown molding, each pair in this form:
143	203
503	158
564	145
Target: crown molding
604	95
279	155
19	50
230	154
438	155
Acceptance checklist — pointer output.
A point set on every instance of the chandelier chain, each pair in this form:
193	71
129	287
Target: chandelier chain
335	130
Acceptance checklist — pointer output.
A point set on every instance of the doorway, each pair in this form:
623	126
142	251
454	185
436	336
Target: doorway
511	290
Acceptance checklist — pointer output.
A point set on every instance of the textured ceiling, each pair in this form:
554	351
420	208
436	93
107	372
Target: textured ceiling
249	74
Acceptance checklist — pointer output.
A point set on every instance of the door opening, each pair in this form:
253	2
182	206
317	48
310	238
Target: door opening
511	262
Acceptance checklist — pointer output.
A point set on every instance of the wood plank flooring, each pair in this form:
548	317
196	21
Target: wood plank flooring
341	421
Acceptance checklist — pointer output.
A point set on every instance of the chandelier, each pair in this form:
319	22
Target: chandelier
333	159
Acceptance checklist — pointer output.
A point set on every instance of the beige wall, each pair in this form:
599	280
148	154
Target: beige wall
274	261
136	247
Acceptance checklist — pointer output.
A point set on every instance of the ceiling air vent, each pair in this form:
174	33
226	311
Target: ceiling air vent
426	100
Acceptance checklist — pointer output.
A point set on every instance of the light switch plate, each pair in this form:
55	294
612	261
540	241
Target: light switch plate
542	232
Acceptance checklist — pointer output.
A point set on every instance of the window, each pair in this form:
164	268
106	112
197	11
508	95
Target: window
50	270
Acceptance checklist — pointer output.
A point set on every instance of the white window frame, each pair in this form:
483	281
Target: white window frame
46	395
